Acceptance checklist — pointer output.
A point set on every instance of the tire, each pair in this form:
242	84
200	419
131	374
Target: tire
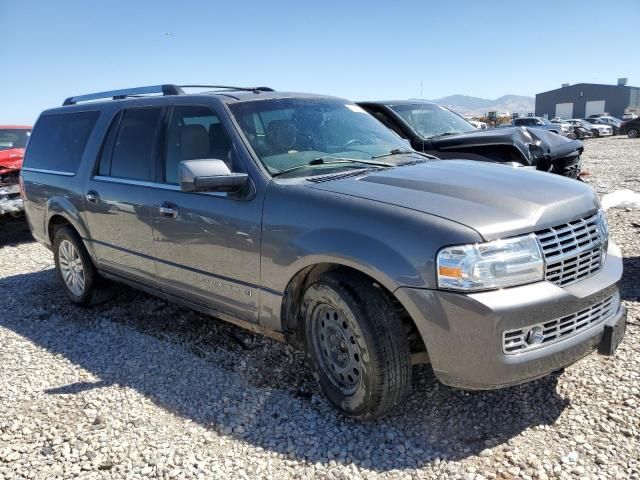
596	133
633	133
76	271
356	345
569	167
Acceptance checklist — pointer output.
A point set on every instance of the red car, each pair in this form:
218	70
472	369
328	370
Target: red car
13	141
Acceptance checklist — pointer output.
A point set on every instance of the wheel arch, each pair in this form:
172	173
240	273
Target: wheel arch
60	212
294	292
64	208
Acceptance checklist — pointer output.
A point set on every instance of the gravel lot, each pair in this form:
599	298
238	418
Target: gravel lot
140	388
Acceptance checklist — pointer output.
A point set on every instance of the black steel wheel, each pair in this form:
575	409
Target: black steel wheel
356	345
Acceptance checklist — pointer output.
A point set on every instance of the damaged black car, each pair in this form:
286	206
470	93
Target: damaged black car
438	131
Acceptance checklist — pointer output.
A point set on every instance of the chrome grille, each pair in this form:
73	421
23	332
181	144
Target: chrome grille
516	341
572	251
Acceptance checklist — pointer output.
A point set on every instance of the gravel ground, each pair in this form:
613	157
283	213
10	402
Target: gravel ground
140	388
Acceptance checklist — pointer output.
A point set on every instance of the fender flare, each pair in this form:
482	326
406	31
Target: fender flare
60	206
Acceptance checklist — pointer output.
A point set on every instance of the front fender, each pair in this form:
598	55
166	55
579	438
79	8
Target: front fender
366	254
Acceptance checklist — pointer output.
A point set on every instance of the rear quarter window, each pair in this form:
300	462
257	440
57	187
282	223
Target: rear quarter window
58	141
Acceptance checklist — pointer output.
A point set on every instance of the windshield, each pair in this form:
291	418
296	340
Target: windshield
288	132
13	138
431	120
612	120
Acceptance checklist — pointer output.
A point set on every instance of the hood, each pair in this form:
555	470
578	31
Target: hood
11	160
531	143
495	200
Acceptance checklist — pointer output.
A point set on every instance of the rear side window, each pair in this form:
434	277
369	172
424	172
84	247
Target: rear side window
58	141
134	147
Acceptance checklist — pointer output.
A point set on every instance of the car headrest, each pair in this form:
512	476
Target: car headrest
194	142
281	135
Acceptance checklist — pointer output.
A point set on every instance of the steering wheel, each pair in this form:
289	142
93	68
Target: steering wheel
353	141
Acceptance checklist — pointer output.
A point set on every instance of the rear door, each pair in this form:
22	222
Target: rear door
117	199
207	244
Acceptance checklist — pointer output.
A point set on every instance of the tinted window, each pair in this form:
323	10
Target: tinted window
196	133
135	143
58	141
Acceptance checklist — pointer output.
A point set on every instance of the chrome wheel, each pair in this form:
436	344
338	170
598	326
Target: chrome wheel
336	347
71	267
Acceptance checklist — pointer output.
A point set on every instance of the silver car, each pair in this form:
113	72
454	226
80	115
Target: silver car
302	217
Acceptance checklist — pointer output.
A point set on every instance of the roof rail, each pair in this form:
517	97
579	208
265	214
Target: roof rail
166	89
230	88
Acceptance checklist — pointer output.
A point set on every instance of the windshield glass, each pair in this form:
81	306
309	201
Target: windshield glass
13	138
287	132
612	120
431	120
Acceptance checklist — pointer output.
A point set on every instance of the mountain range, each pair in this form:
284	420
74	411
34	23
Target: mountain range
475	106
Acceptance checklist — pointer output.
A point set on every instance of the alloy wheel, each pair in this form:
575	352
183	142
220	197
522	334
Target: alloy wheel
71	267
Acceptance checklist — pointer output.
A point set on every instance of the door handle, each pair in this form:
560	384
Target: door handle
92	196
168	210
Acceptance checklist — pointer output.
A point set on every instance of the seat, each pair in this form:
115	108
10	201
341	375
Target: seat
194	142
219	143
281	136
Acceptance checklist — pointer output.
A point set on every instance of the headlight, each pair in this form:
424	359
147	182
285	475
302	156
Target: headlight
497	264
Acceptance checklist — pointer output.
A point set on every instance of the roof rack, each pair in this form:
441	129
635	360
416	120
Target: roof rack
166	89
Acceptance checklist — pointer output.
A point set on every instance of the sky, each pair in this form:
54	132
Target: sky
350	48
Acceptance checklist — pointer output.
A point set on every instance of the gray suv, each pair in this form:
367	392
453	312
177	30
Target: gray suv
304	218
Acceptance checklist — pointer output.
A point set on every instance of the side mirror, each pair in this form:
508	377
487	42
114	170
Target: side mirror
209	175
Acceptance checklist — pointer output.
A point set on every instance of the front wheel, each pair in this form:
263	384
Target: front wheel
596	133
633	133
569	167
356	345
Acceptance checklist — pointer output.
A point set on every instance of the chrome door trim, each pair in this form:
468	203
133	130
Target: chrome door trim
51	172
161	186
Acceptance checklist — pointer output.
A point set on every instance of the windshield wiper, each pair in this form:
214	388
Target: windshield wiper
445	134
395	151
329	160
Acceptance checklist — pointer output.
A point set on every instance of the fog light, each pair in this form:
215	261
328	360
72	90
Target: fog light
535	335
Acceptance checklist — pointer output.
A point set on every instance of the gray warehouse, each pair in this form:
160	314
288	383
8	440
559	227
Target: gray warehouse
584	99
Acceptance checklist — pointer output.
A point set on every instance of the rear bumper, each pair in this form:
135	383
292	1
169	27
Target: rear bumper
463	333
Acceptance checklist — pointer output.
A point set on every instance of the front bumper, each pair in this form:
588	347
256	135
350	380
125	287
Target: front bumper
10	200
463	333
